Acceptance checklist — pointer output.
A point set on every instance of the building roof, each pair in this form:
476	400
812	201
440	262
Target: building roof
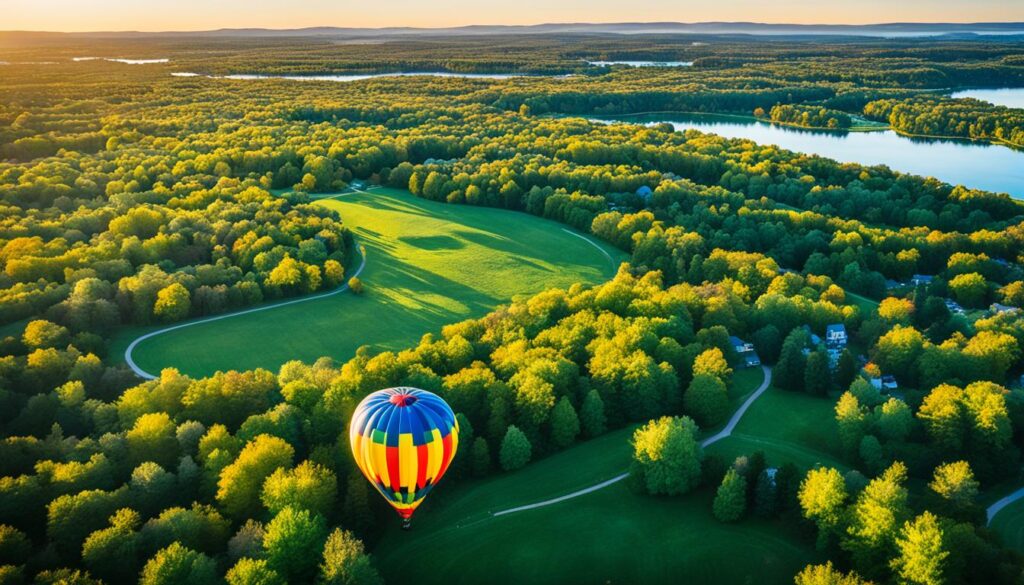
735	340
835	328
922	278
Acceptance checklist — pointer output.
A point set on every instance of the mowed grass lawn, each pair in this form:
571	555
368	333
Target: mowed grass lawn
614	535
1009	523
428	264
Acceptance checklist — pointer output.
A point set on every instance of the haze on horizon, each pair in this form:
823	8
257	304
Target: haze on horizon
186	15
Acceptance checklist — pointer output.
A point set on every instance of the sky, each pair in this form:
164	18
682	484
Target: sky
162	15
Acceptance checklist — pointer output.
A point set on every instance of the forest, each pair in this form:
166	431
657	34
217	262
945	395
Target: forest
132	197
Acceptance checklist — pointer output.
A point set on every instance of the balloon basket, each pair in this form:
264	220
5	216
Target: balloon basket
406	523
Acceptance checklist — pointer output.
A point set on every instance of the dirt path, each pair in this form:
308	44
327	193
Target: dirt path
725	432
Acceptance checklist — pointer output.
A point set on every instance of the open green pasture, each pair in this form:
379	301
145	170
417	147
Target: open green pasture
427	264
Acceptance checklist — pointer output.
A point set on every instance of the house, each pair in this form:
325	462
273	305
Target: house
739	345
921	279
886	382
745	351
835	336
999	309
891	284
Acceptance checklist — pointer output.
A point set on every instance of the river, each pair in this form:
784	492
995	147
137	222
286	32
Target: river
973	164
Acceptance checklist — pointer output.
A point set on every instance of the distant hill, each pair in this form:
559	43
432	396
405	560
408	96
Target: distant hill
895	29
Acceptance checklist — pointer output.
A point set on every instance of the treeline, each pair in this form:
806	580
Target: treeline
807	116
961	118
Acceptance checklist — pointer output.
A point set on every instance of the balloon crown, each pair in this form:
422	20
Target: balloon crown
402	399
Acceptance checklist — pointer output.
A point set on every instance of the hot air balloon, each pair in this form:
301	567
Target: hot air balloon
403	440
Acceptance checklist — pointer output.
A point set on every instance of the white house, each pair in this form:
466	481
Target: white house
835	335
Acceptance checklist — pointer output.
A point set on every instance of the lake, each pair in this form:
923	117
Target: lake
973	164
642	63
358	77
1011	97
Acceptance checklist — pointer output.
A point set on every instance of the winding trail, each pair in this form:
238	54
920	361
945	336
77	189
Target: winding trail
146	375
725	432
998	506
362	263
592	243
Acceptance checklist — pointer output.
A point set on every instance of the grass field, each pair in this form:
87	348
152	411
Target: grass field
427	264
1009	523
614	535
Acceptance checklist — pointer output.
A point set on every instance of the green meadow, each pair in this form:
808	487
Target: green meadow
428	264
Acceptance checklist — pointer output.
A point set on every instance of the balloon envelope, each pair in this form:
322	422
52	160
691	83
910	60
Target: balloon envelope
403	440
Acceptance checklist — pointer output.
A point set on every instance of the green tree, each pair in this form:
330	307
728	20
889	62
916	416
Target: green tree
153	438
253	572
42	334
817	376
731	498
827	575
666	456
954	482
241	482
768	342
789	371
852	420
846	369
111	553
356	285
971	289
592	416
173	303
922	556
871	454
712	362
356	513
515	449
894	420
14	545
481	457
346	562
707	400
307	487
822	498
565	424
177	565
875	519
293	541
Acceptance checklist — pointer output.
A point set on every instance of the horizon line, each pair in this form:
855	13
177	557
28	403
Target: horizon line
533	25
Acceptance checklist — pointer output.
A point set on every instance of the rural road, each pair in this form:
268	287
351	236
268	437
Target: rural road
725	432
995	508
